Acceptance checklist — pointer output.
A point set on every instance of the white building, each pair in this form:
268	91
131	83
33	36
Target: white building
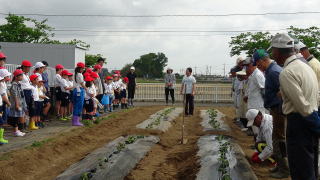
67	55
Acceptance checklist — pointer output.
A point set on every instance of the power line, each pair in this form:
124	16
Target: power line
164	15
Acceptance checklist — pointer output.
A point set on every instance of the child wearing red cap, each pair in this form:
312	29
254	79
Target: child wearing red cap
116	87
58	93
78	94
25	83
3	58
65	90
90	94
109	92
18	104
123	93
37	106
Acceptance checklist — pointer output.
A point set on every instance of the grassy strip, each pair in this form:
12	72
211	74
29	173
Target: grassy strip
160	116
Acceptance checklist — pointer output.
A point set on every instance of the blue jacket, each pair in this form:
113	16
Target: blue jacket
272	86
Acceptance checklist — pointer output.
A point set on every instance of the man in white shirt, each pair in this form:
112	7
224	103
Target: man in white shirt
299	90
188	88
264	139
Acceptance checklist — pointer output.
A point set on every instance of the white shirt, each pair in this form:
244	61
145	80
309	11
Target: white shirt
265	134
57	80
79	81
108	88
90	91
188	82
3	91
63	85
116	84
35	93
25	82
256	83
41	93
299	87
70	83
39	76
123	86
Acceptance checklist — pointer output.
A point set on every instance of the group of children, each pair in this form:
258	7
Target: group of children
82	93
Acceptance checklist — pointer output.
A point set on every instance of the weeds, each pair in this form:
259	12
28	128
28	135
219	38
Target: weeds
40	143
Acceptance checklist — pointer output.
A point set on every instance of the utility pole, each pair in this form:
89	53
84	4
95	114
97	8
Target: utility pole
210	70
195	70
224	69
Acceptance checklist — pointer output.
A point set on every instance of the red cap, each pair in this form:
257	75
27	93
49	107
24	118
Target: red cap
115	75
117	72
125	79
88	70
17	72
26	63
94	75
33	77
70	74
65	72
1	67
97	66
81	65
108	78
2	55
59	66
88	78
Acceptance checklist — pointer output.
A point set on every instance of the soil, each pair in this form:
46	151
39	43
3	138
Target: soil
49	160
170	159
261	170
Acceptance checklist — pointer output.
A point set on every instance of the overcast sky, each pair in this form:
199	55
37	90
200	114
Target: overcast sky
196	49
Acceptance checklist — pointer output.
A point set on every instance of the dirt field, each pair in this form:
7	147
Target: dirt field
166	160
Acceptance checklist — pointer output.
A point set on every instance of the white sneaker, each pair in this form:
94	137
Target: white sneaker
244	129
19	134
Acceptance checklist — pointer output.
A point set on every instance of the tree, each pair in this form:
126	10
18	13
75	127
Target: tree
126	68
150	65
16	30
91	59
309	36
248	42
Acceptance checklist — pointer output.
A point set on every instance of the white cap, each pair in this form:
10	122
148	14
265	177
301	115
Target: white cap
4	73
299	46
39	65
282	41
242	72
251	115
239	60
132	68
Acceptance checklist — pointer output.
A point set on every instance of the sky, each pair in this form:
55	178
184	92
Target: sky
204	51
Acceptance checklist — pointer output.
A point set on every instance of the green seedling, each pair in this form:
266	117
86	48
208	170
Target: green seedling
159	116
87	123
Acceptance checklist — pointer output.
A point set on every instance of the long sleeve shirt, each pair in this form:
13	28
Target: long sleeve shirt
265	134
169	78
315	65
255	90
299	87
272	86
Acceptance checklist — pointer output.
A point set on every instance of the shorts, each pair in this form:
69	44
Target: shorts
123	93
28	98
88	105
58	94
37	109
13	121
99	97
65	99
117	95
70	96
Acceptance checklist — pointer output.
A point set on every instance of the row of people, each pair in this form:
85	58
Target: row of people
272	96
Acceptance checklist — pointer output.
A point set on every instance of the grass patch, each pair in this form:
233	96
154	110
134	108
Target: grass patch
36	144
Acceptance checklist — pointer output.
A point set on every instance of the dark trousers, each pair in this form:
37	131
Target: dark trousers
301	149
189	104
131	91
171	92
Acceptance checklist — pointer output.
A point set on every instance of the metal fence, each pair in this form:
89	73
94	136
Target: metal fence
216	93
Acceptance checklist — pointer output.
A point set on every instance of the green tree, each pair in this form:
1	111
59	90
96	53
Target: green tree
126	69
248	42
309	36
91	59
16	30
151	65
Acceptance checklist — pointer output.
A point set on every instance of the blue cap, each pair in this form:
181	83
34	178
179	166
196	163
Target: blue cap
259	54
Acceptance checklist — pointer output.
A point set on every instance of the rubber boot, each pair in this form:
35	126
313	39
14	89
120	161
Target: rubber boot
2	141
32	126
76	121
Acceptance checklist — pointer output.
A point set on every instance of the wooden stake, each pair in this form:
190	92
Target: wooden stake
183	140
